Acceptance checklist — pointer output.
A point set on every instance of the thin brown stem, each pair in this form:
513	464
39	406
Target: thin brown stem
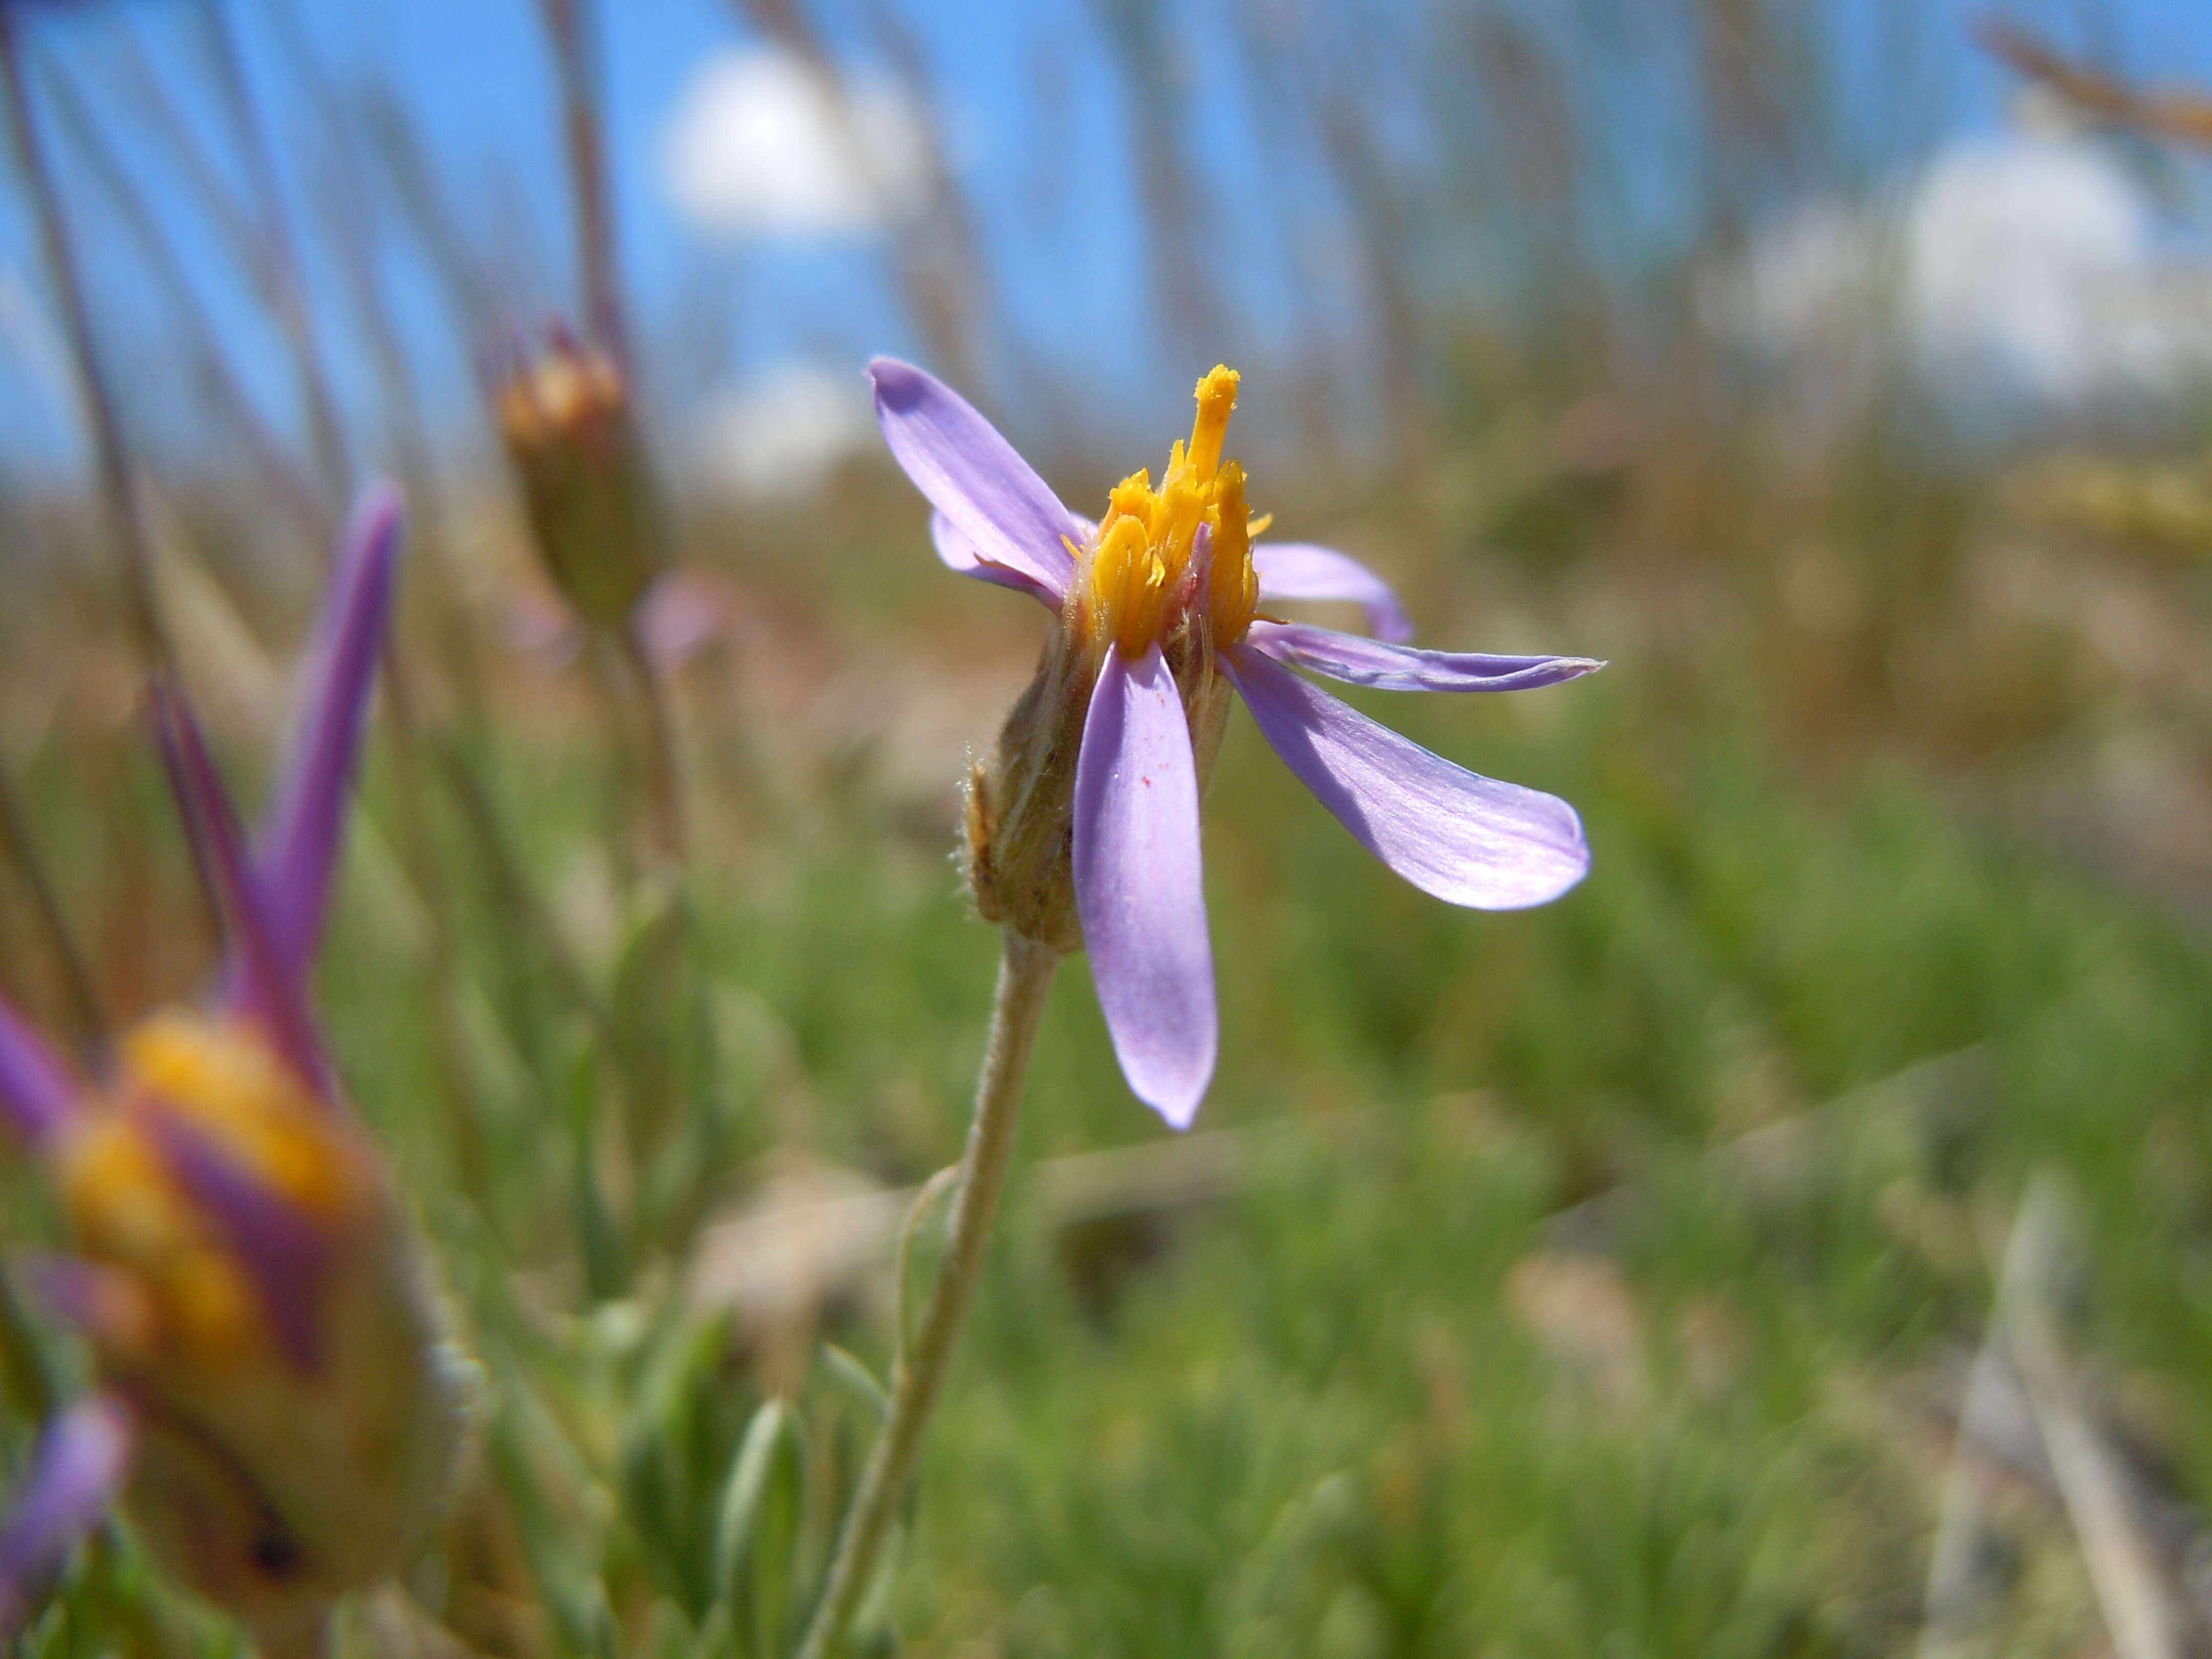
573	27
275	261
287	484
415	183
134	544
354	233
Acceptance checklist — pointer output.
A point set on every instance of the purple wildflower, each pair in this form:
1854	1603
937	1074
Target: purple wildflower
264	1325
1083	832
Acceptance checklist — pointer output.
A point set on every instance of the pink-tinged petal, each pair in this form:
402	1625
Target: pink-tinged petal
257	984
106	1303
1298	570
960	556
37	1094
1388	667
78	1469
1138	886
681	614
300	847
973	476
1464	838
283	1251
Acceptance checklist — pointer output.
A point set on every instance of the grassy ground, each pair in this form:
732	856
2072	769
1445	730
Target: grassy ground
1595	1280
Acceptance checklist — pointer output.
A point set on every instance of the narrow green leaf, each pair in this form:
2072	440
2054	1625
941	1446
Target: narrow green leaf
741	1496
855	1379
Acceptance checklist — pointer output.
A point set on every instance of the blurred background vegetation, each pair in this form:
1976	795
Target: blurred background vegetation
1796	1240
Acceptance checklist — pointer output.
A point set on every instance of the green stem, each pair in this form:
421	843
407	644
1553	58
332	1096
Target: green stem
661	761
1025	975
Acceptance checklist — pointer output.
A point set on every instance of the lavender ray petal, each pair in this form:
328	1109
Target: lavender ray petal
971	474
960	556
283	1251
301	847
1298	570
37	1094
257	984
82	1461
1464	838
1391	667
1138	886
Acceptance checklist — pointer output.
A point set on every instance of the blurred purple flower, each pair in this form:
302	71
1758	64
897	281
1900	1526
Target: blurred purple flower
245	1274
1097	780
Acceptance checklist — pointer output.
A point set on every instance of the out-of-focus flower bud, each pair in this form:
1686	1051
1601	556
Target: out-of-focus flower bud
280	1387
595	512
268	1314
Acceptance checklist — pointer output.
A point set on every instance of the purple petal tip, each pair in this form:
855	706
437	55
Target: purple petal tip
1388	666
260	984
299	852
1454	834
37	1094
378	511
973	476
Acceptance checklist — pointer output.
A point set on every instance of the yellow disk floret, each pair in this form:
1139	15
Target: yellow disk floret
223	1082
245	1100
1140	580
1232	585
188	1297
1217	399
1128	586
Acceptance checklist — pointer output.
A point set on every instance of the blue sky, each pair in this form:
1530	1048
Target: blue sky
1040	142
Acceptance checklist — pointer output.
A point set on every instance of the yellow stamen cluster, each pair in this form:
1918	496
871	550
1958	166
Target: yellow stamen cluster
226	1085
1141	580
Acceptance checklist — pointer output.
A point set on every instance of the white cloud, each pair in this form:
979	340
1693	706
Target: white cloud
2026	266
2035	258
759	145
781	437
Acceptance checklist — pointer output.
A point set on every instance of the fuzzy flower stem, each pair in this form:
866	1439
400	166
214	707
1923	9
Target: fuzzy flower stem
1025	975
133	540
